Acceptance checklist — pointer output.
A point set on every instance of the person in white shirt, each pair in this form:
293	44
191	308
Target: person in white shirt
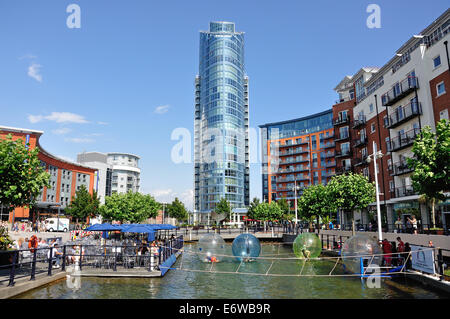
56	255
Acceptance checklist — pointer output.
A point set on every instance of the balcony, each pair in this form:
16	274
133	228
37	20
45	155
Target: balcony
360	141
328	155
341	120
294	144
403	140
295	160
404	113
331	164
327	137
287	153
295	170
342	137
329	145
343	153
343	170
359	122
327	175
400	90
403	191
361	160
399	168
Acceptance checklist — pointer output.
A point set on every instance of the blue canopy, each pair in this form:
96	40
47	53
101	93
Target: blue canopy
137	229
140	228
103	227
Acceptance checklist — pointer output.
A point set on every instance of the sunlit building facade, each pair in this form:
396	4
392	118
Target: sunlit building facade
221	120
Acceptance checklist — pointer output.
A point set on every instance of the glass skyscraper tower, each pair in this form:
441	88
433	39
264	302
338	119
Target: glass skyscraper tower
221	120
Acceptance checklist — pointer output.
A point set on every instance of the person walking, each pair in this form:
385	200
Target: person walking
413	222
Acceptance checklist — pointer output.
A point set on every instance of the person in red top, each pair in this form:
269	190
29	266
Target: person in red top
33	243
387	250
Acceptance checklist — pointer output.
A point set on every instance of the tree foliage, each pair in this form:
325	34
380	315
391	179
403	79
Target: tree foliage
285	209
21	175
129	207
351	192
266	212
223	208
83	204
315	202
431	163
251	209
177	210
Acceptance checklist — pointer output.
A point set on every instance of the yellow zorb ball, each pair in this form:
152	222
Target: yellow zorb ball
307	245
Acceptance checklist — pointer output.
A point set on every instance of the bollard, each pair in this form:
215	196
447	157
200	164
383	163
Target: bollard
81	253
33	266
50	262
441	264
12	273
115	259
63	267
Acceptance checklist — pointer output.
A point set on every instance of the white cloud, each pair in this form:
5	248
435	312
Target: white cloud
102	123
28	56
78	140
162	109
35	118
33	72
94	134
58	117
62	131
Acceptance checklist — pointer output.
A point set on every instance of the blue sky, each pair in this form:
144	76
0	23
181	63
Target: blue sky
125	80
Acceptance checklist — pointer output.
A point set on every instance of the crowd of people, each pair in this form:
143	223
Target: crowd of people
396	253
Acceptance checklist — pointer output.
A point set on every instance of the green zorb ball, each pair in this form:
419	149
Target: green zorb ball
307	245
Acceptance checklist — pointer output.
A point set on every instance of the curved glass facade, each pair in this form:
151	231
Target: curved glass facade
221	118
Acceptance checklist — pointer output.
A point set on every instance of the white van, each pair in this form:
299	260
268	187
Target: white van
57	224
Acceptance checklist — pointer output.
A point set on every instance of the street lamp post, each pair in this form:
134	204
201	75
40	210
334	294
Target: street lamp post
376	154
295	188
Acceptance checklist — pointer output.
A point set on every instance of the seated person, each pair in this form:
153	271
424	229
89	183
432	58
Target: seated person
56	255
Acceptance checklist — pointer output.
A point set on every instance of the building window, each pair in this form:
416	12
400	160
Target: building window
437	61
370	108
440	88
372	128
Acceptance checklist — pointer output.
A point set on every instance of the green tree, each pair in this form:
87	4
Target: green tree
22	177
223	207
431	164
285	209
177	210
83	204
251	209
129	207
315	203
350	192
266	211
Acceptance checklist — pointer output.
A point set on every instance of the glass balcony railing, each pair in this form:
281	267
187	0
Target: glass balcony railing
399	168
360	141
359	121
400	90
404	113
403	191
342	136
343	153
341	120
403	140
